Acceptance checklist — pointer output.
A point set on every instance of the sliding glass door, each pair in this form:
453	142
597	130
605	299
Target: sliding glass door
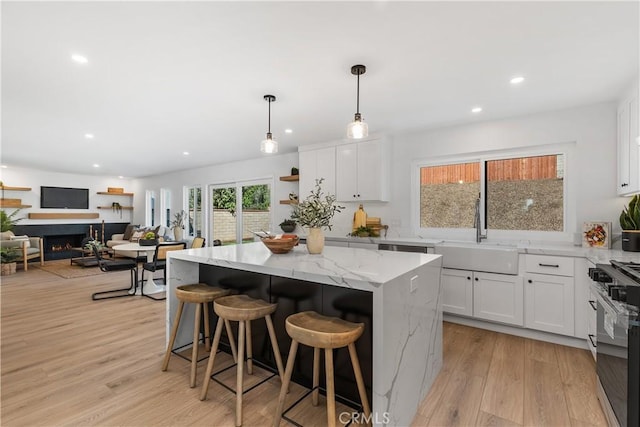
237	209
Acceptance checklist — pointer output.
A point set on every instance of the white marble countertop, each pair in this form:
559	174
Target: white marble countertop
539	248
340	266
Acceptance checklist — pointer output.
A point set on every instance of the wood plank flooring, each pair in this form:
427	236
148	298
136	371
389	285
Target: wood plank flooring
67	360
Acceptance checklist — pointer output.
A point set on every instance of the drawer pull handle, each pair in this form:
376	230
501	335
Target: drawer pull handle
591	339
593	305
549	265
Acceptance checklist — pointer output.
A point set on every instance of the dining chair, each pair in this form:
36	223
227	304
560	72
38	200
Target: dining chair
198	242
160	261
107	266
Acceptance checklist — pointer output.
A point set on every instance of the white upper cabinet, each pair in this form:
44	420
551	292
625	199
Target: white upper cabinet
628	140
315	164
362	171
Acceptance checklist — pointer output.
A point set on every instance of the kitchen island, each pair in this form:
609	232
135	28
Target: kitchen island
397	296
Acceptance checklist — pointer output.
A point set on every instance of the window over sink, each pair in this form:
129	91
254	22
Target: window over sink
517	193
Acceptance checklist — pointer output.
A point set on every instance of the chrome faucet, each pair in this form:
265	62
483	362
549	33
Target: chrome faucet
476	222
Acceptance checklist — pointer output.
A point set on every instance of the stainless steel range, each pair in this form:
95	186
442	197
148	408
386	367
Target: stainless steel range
617	287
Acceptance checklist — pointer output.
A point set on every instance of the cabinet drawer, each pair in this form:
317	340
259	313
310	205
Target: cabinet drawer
544	264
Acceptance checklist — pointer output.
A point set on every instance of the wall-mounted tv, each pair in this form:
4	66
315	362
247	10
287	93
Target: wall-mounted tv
64	198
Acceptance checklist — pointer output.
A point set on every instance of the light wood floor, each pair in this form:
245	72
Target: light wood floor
67	360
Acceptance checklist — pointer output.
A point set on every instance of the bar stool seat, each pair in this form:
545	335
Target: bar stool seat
242	309
201	295
318	331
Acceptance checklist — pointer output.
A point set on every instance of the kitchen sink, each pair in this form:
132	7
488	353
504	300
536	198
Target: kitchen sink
489	257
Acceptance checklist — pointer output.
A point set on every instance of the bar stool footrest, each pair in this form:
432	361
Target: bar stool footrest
351	404
256	363
188	359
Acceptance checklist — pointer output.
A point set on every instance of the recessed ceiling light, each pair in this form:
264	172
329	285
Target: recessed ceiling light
4	166
120	176
288	131
185	153
88	135
95	165
79	58
517	80
476	109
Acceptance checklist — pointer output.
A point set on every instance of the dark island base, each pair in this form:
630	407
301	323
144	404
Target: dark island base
294	296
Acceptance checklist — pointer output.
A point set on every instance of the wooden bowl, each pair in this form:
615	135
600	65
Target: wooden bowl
280	246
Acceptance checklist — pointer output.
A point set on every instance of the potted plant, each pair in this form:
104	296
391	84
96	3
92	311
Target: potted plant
149	239
363	231
8	258
8	221
178	225
316	212
630	224
116	207
288	225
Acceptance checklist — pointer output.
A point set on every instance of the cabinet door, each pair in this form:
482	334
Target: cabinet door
498	297
592	320
347	172
549	303
369	174
628	150
457	291
316	164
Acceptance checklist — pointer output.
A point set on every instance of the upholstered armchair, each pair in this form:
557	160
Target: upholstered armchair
30	247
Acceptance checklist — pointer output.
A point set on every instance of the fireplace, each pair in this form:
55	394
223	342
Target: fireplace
58	239
59	247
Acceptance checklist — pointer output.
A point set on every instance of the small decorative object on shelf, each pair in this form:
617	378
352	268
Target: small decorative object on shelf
316	212
117	190
630	224
117	207
293	196
295	171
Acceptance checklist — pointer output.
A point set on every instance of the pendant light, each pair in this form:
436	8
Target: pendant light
358	128
269	145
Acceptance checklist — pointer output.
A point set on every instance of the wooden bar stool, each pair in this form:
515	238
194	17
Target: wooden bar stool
318	331
201	295
242	309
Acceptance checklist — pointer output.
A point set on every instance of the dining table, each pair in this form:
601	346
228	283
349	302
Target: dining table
149	286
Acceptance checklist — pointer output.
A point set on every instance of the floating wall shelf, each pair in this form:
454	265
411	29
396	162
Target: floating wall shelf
288	202
114	194
4	187
64	215
290	178
12	206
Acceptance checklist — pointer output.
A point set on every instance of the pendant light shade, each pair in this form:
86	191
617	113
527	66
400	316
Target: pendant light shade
269	145
358	128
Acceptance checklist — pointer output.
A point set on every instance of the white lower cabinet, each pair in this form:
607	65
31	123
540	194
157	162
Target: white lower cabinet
457	291
488	296
549	303
498	297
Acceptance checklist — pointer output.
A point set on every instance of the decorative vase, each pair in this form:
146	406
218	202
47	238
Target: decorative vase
631	240
315	241
177	234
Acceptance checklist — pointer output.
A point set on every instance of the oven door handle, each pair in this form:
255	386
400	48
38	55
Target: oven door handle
593	305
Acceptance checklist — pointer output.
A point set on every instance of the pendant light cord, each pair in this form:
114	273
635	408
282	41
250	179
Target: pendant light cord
269	126
358	96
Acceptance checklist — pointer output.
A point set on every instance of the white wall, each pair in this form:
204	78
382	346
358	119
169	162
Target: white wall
25	177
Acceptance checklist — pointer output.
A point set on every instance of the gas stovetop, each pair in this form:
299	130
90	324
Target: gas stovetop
616	278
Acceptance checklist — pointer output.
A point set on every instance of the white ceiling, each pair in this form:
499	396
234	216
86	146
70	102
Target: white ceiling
168	77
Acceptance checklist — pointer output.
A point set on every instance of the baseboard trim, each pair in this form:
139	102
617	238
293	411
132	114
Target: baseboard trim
606	406
520	332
